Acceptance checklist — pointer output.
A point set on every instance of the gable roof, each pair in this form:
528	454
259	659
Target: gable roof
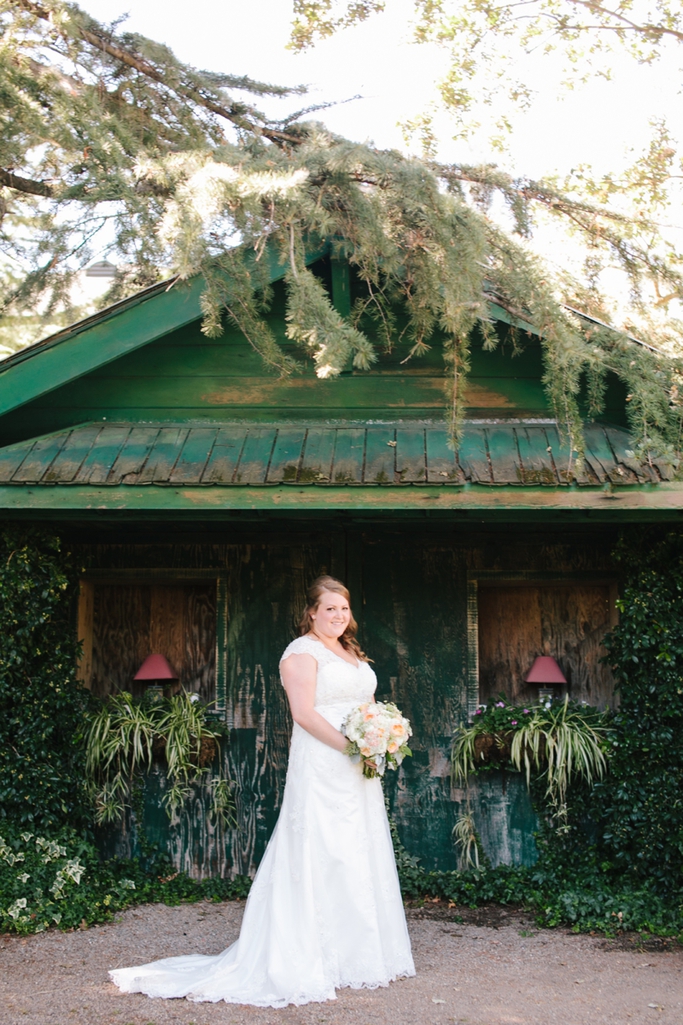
113	332
128	325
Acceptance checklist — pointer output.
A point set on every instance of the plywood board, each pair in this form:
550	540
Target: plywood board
132	621
567	622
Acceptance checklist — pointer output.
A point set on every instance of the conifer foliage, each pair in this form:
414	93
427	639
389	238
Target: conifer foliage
112	136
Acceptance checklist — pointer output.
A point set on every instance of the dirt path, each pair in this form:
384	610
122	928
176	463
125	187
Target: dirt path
492	969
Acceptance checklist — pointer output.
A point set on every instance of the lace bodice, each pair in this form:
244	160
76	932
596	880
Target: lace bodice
338	682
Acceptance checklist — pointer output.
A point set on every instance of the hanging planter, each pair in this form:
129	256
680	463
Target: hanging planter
126	736
557	741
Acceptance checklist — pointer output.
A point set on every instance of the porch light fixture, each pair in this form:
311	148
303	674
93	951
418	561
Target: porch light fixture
155	672
546	672
154	669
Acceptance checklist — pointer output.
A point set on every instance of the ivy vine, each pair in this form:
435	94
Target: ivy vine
42	705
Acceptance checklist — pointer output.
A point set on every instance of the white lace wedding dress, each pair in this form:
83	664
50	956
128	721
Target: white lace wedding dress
325	909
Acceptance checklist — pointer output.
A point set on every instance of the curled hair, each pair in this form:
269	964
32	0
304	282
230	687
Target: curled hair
307	624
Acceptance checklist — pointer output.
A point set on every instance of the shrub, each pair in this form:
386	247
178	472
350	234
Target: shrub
60	881
42	705
640	806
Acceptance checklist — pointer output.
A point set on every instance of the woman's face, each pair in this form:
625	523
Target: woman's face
332	615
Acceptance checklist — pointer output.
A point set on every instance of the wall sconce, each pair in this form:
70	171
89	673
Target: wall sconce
545	670
156	673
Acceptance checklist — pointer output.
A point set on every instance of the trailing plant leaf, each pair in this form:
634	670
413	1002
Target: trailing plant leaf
562	742
467	840
557	742
121	739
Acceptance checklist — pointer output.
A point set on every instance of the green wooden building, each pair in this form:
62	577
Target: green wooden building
203	494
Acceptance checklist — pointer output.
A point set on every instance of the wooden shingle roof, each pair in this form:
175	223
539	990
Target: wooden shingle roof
491	453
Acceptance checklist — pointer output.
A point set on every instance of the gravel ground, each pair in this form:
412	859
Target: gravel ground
493	968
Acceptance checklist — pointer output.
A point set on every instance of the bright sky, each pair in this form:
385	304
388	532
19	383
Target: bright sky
605	124
597	124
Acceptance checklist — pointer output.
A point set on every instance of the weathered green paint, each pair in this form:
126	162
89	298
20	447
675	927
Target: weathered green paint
185	377
413	624
413	597
643	503
504	817
102	342
341	285
472	648
391	455
117	331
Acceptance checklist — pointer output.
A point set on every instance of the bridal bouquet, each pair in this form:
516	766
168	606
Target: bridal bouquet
378	734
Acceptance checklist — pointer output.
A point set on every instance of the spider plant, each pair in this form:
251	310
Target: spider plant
566	743
560	742
120	744
466	838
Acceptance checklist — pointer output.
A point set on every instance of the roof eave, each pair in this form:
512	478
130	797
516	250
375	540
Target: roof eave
635	503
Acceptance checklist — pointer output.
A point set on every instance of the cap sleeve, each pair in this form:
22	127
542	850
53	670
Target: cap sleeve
303	646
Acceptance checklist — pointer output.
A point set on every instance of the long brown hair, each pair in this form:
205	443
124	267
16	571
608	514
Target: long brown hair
307	624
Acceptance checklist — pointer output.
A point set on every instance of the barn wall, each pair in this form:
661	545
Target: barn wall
410	596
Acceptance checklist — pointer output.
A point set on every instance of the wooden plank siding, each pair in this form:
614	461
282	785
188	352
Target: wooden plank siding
567	620
129	621
412	595
184	377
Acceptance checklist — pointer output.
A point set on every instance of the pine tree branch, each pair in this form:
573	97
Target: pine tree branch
530	191
144	67
26	185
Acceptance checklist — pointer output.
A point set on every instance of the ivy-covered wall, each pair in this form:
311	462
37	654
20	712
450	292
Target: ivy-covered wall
413	616
42	706
640	806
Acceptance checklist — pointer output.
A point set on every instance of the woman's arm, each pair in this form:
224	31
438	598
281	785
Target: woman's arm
299	674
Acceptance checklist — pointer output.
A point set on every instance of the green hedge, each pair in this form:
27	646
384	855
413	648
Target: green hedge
42	778
640	807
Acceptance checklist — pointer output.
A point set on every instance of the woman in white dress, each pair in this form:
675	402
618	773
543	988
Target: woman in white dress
325	909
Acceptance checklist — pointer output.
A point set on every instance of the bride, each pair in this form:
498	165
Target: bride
325	908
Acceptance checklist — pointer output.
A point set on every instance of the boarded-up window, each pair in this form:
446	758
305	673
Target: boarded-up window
566	621
126	622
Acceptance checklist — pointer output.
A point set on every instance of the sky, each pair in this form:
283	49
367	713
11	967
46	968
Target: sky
601	123
604	124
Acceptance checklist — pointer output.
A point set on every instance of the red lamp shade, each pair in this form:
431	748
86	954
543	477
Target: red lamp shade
545	670
155	667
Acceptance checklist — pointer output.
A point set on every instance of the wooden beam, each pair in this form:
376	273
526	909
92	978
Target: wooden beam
341	286
632	503
86	606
